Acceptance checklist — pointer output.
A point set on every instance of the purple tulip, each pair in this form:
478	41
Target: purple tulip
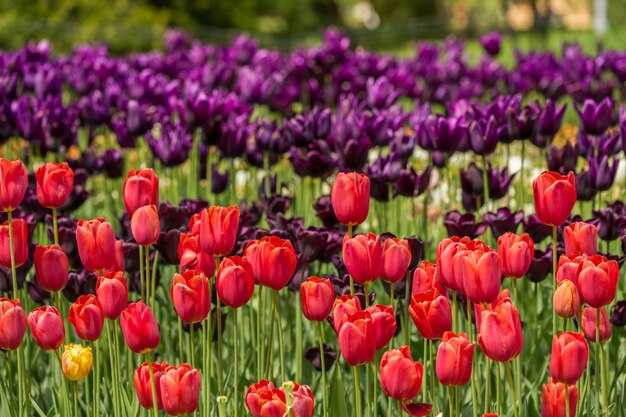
503	220
563	159
458	224
595	118
491	42
412	184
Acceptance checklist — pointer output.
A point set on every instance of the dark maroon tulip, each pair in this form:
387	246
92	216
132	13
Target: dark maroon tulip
458	224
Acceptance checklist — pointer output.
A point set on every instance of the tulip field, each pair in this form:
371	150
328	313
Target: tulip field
232	230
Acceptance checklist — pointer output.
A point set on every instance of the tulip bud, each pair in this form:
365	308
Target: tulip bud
589	324
76	361
87	317
384	322
51	267
565	300
342	307
46	326
553	399
20	243
112	293
13	184
235	281
141	188
143	384
597	280
516	253
317	297
400	375
218	229
350	196
190	295
54	184
555	196
454	359
362	256
12	324
581	237
96	244
140	327
273	261
431	313
569	357
145	225
396	258
356	339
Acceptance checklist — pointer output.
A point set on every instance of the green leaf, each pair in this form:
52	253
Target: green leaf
337	395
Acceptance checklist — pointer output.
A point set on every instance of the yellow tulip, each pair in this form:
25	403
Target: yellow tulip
77	361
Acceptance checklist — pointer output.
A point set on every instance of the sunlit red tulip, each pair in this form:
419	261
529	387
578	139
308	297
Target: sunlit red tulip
516	253
76	361
342	307
581	237
303	401
119	257
356	339
141	188
481	273
454	359
46	326
566	301
96	244
145	225
140	327
180	389
504	296
500	336
190	295
12	324
597	280
235	281
384	322
362	256
431	313
263	399
589	324
568	268
87	317
426	278
555	196
350	196
273	261
13	184
143	384
191	256
112	293
218	229
396	259
51	267
553	399
400	375
446	250
317	297
569	357
54	184
20	243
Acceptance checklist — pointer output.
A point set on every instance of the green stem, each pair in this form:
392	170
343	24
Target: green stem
114	382
407	300
221	405
567	413
522	179
55	226
351	280
455	322
236	355
192	348
357	390
66	400
554	256
76	413
474	383
498	389
149	295
96	382
485	182
488	385
323	361
509	377
155	404
299	349
259	345
399	408
281	345
181	340
220	365
375	385
142	278
21	367
451	399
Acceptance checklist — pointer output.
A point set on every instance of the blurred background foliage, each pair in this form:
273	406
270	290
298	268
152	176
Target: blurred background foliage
131	25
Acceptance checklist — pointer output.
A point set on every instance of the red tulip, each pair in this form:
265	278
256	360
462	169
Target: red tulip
342	307
20	243
191	256
589	324
143	384
46	326
581	237
566	301
317	297
141	188
273	261
384	322
569	357
119	257
87	317
194	224
303	401
356	339
235	281
516	253
446	250
218	229
145	225
431	314
400	375
112	293
96	244
51	267
54	184
481	273
12	324
454	359
504	296
190	295
263	399
180	389
396	259
140	327
426	278
597	280
13	184
500	336
350	197
555	196
363	257
553	400
568	269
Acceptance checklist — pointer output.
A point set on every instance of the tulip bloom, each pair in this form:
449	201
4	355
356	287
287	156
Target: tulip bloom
454	359
356	339
141	188
145	225
553	399
480	272
597	280
218	229
581	237
140	327
235	281
362	256
400	375
303	400
190	295
263	399
517	254
180	389
384	322
20	243
569	357
143	384
13	184
112	293
500	336
396	258
96	244
46	326
431	314
446	250
342	307
76	361
566	301
426	278
87	317
54	184
273	261
568	269
51	267
555	196
12	324
350	196
317	297
589	324
119	257
191	256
